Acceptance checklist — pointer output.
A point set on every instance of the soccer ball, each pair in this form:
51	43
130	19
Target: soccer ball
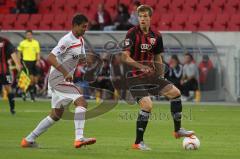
191	143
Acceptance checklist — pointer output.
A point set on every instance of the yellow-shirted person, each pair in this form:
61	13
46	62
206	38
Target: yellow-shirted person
29	49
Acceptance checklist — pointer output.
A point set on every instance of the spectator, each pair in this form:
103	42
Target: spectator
102	18
133	20
175	71
79	80
25	6
189	80
103	80
121	20
205	69
29	49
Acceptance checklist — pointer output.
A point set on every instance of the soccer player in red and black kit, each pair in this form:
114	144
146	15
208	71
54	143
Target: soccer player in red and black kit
144	44
8	51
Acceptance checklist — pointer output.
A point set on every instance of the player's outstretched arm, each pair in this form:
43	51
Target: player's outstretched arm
131	62
53	61
16	61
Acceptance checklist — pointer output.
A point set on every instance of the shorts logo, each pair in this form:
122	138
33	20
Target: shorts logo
77	56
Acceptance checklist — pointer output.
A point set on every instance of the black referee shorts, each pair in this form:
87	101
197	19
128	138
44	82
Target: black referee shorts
143	86
32	68
5	79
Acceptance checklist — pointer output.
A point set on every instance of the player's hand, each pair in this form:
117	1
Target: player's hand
146	69
19	67
68	77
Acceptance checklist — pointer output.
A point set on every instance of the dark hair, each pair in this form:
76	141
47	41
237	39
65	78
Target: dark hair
190	55
137	3
79	19
145	8
175	57
28	31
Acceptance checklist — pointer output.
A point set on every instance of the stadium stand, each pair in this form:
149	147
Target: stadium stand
191	15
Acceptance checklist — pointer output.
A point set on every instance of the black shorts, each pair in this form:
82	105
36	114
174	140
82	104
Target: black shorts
5	79
147	86
32	68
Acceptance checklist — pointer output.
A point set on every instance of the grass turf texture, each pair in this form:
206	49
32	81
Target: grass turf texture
217	127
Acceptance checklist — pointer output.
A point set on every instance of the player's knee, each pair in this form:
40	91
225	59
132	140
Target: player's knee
173	93
146	104
176	93
56	114
81	102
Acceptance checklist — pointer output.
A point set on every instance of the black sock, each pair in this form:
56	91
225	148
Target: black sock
11	101
142	122
176	111
32	92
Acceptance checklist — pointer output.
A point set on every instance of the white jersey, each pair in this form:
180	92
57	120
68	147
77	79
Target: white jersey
68	52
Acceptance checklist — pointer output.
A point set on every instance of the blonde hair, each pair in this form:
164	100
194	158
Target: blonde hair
145	8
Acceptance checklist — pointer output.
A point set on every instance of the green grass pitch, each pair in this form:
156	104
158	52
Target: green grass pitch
217	127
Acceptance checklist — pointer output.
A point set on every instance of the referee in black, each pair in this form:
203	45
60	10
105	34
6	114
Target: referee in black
7	52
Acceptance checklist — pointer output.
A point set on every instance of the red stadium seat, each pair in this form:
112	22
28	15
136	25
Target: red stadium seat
190	6
163	6
177	6
234	23
1	20
218	6
22	20
179	22
207	22
204	6
45	6
87	6
221	23
156	18
233	7
193	23
152	3
72	6
111	5
59	22
34	21
8	21
166	22
46	23
126	2
58	6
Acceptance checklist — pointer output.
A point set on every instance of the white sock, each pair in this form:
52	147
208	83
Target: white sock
41	128
79	121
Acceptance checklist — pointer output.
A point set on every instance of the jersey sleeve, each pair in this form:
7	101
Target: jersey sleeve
60	48
159	46
129	41
10	49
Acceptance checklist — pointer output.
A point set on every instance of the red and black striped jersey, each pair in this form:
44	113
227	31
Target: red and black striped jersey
6	49
143	47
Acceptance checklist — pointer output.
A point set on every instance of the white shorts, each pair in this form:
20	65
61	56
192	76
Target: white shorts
64	94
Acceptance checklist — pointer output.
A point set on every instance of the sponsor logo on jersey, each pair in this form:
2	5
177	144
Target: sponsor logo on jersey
152	41
145	47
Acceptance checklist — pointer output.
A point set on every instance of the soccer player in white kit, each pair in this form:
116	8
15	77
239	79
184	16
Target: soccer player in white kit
64	59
